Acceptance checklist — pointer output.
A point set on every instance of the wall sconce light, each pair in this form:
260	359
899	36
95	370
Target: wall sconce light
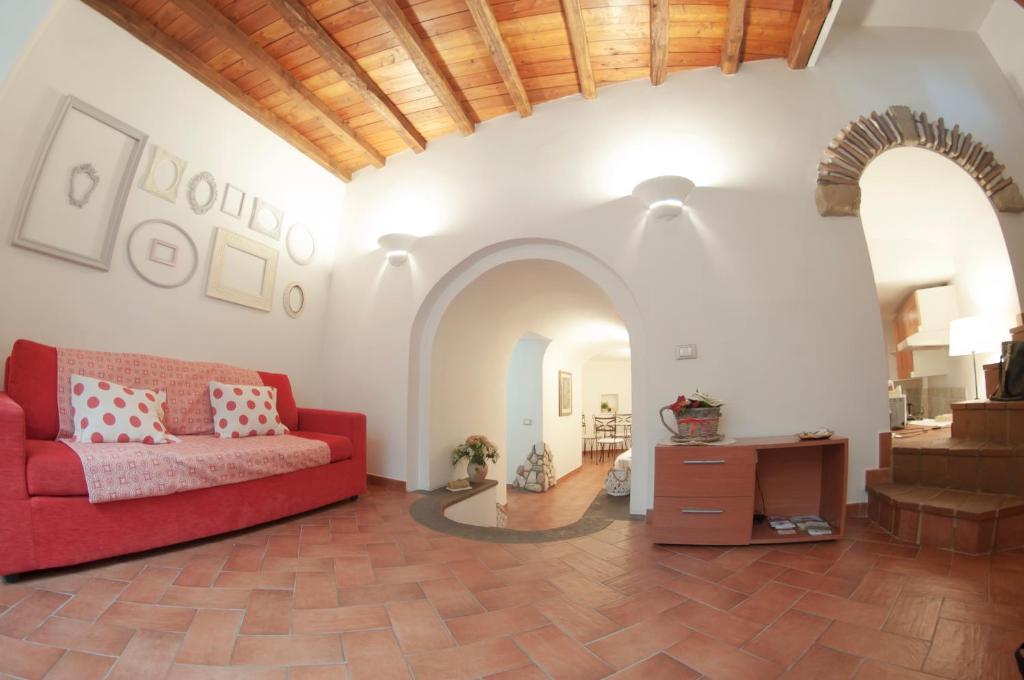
397	247
664	196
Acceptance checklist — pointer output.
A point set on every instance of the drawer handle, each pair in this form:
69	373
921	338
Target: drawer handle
704	462
702	511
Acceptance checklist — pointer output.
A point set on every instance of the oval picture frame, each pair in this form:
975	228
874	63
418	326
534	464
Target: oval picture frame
290	309
188	240
193	185
289	241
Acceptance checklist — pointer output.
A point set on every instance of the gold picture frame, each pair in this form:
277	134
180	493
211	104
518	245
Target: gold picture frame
564	393
242	271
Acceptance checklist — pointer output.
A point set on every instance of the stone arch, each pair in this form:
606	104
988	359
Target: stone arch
863	139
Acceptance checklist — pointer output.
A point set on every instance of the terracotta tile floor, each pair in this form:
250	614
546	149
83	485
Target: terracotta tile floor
360	590
561	505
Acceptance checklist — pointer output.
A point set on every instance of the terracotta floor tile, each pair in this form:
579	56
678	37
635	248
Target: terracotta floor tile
385	555
277	563
339	619
214	598
752	577
958	650
474	574
81	666
574	586
148	616
706	592
633	644
787	639
875	644
148	655
413	573
383	594
83	636
498	623
814	565
721	661
287	650
149	585
582	623
515	594
252	580
841	609
32	610
822	663
211	638
184	672
999	615
370	643
645	578
201	572
417	626
450	598
245	558
27	659
768	604
352	572
658	667
268	613
878	587
914	616
468	661
560	656
827	585
643	605
313	591
377	668
709	571
720	625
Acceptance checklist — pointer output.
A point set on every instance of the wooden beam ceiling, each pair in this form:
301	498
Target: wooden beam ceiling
573	14
225	30
485	22
149	34
413	44
808	26
734	29
659	41
305	24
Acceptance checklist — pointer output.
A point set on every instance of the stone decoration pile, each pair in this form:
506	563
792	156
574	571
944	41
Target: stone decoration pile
537	473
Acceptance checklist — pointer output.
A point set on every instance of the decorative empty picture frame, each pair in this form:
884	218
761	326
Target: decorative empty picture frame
162	253
75	193
266	219
164	175
233	201
202	192
294	300
242	271
564	393
300	244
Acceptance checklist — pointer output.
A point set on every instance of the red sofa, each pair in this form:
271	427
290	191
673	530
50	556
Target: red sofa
48	520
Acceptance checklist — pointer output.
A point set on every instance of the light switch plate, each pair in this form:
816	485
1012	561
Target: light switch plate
527	421
686	351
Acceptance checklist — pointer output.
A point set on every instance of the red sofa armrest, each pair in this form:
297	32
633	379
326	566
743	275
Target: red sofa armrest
13	484
351	425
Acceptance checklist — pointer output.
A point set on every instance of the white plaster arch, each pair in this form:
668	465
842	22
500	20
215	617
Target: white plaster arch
428	319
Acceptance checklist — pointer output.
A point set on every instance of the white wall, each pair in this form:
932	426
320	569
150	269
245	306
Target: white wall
563	434
81	53
780	300
1002	32
21	22
606	376
525	401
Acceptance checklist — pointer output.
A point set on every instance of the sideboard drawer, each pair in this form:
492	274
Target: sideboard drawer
703	521
704	471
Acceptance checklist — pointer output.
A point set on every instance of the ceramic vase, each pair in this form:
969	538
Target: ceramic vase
477	473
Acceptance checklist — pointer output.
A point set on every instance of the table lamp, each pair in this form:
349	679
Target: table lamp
970	335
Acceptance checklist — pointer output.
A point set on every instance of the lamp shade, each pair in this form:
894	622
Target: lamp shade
664	196
397	247
972	334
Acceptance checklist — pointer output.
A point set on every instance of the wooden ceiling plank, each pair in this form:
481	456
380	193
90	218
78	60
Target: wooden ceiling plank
808	26
304	23
147	33
659	41
732	45
580	50
411	42
235	38
489	31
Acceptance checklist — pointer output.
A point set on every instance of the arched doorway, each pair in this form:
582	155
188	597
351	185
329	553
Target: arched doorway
428	319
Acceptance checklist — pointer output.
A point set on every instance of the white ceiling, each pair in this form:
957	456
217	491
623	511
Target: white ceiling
954	15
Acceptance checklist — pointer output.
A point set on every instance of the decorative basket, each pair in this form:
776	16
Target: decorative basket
694	424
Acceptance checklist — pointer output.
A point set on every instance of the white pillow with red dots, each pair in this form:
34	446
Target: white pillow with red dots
108	413
245	411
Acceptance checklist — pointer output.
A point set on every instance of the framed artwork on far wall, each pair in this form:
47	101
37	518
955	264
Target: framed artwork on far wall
74	196
564	393
242	271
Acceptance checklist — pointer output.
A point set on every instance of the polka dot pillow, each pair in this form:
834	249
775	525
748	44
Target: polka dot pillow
105	412
244	411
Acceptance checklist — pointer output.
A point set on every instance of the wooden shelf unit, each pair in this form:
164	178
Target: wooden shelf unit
707	495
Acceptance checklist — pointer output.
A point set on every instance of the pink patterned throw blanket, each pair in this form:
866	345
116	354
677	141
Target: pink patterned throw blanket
115	472
185	382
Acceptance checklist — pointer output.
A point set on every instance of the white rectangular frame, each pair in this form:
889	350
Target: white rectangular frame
215	286
18	238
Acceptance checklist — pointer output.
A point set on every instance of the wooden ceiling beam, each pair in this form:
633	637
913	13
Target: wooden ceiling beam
149	34
487	25
808	26
580	49
233	37
659	41
305	24
735	27
411	42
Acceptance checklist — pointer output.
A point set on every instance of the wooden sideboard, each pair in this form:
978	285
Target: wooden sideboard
708	495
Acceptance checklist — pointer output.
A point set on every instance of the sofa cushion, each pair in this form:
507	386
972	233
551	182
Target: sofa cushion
340	445
53	469
286	406
32	382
